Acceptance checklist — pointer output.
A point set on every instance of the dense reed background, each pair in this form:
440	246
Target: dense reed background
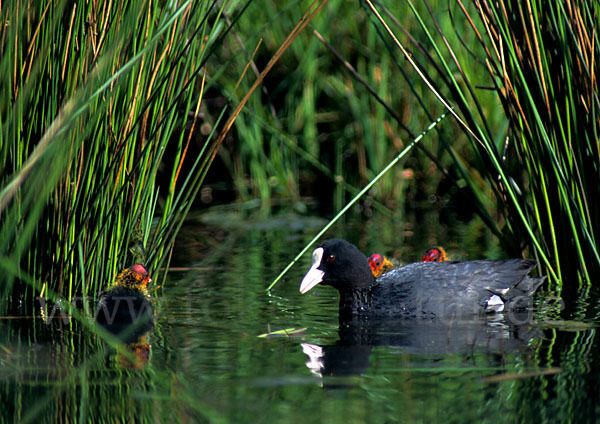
520	154
102	102
111	116
543	61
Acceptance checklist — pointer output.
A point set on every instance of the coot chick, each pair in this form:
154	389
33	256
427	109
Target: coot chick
434	254
125	309
380	264
432	290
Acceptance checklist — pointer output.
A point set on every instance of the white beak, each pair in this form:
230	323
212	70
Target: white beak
314	275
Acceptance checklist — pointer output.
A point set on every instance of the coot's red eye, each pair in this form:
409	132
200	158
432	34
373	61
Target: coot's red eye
330	258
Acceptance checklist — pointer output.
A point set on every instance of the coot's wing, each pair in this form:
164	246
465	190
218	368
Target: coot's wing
453	289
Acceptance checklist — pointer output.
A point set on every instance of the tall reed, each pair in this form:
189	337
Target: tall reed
96	93
106	137
543	59
538	61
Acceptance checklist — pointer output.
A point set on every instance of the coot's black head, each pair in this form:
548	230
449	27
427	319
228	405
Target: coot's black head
339	264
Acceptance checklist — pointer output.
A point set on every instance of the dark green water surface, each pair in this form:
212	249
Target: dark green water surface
205	360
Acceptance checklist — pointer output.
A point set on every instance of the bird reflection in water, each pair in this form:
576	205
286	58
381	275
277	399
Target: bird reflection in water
338	365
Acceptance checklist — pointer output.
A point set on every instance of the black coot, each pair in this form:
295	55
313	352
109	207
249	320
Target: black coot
434	290
125	309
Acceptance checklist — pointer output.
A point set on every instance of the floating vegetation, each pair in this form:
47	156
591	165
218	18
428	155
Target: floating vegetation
287	332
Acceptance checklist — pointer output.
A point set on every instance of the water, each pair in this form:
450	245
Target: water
214	356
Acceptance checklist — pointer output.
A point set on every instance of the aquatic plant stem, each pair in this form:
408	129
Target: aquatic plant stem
311	12
421	74
358	196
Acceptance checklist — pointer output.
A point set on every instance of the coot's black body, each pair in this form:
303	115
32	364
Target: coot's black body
126	310
123	306
433	290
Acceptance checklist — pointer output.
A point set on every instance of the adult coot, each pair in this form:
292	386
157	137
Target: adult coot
125	308
433	290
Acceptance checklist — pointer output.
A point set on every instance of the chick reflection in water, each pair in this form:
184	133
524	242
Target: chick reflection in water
126	311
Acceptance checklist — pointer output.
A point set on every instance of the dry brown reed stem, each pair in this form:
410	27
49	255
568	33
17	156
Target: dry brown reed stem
421	74
308	16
